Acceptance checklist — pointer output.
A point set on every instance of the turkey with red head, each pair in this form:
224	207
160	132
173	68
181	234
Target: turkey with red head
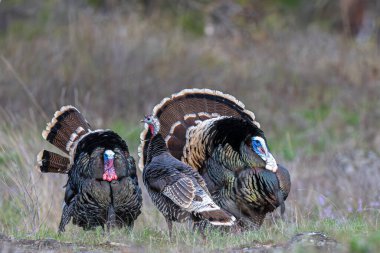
102	187
214	133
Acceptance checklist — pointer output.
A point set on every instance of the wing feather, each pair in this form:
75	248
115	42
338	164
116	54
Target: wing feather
181	192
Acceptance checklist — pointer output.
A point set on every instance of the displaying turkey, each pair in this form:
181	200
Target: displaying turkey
177	190
214	133
102	187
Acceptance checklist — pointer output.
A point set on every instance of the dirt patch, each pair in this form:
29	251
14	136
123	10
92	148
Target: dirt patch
315	241
309	241
50	245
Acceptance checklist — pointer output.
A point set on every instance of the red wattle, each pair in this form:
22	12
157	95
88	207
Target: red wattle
109	175
151	128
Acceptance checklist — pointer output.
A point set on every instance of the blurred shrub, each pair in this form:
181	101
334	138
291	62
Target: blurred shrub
193	22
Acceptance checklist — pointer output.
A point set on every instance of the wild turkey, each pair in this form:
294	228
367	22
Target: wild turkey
177	190
102	187
214	133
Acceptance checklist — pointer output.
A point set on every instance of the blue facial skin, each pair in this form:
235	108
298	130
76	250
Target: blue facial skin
256	145
108	157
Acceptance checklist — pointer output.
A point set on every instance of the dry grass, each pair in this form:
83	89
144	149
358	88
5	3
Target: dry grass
314	93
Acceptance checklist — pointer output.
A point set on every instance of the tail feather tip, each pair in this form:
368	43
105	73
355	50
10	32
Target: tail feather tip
218	217
65	128
51	162
229	222
40	161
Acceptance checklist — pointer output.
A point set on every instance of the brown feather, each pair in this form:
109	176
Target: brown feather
49	162
179	131
175	146
189	119
65	128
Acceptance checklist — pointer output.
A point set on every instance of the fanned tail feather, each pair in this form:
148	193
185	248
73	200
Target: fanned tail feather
186	109
50	162
66	127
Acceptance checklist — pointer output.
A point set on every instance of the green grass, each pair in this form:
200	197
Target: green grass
10	217
356	234
370	243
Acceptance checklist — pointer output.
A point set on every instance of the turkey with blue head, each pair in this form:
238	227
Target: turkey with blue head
214	134
102	187
176	189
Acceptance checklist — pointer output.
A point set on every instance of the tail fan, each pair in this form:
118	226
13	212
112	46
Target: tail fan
217	217
187	108
50	162
66	127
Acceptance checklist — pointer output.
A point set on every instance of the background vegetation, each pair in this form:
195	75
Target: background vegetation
309	70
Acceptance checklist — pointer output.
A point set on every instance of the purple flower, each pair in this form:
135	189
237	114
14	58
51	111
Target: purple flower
327	212
360	206
321	200
374	204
